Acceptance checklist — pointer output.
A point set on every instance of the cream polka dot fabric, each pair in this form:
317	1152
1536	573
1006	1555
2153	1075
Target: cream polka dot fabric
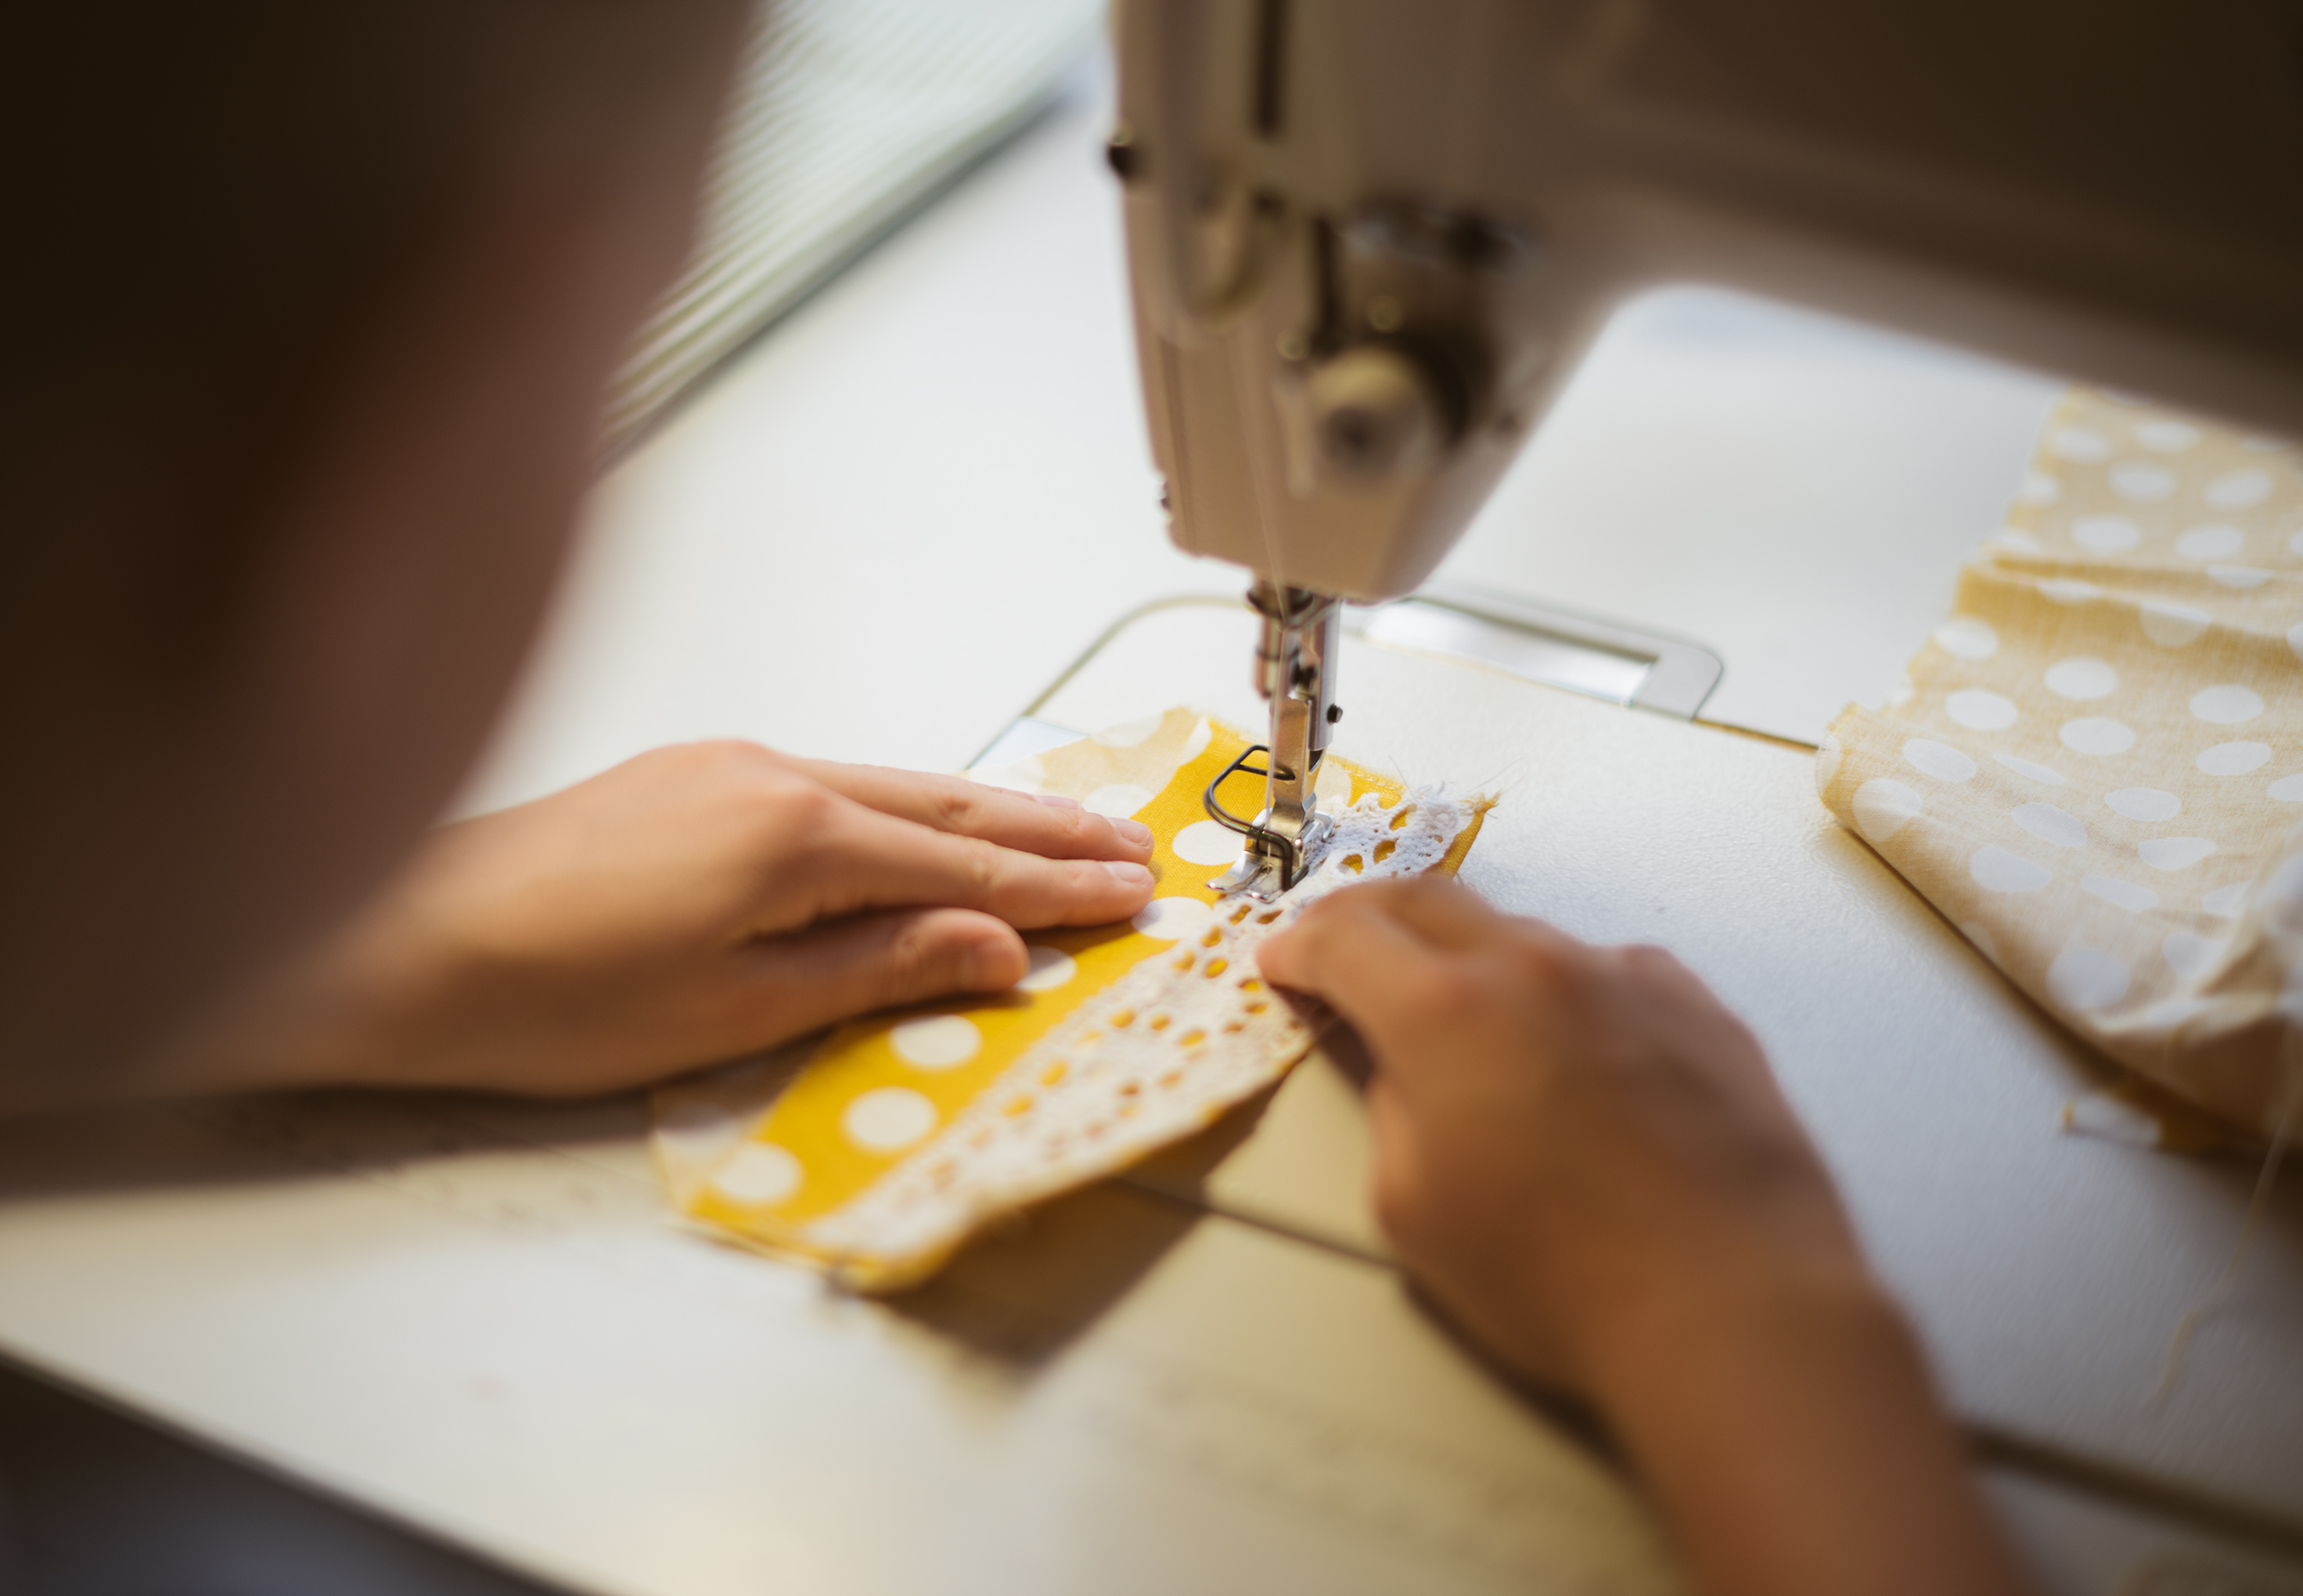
902	1133
2095	768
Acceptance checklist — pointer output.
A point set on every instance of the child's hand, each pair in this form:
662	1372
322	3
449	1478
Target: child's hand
1574	1144
693	904
1585	1159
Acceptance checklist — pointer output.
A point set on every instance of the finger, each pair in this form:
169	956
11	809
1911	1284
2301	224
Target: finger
1449	915
864	860
1062	830
795	984
1349	950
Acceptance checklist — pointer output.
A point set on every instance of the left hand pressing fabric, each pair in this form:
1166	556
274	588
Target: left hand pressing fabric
693	904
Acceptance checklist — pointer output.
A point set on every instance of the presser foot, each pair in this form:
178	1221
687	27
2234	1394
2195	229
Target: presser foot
1264	878
1281	846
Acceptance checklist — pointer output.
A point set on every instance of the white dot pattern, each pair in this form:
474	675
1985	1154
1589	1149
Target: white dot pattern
2142	483
2097	735
1120	799
2081	678
2080	445
2128	896
902	1130
2174	625
2240	489
2051	825
1128	734
887	1119
2173	852
944	1042
2226	901
2100	760
1979	710
2106	534
1884	806
2210	543
2030	769
1995	870
2227	703
2166	437
2192	955
2233	759
1969	638
2144	803
1938	759
759	1173
2088	978
1207	842
1051	968
1171	919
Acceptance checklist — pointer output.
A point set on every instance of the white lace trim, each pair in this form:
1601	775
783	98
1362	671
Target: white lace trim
1159	1053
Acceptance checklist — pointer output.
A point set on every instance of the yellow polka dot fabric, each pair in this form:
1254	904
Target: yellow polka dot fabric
2095	768
903	1131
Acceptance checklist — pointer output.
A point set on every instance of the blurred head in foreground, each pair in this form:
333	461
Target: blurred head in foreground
312	310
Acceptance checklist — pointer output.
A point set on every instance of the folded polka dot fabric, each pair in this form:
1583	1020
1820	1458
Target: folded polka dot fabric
2096	769
903	1133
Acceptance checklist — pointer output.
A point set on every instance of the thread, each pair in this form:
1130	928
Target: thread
2218	1294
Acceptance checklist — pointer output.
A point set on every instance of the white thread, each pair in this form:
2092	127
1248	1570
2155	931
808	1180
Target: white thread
2205	1305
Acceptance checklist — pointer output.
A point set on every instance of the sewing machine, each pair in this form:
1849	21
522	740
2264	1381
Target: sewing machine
1369	241
472	1317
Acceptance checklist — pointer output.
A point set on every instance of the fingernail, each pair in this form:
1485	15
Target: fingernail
1129	875
1135	831
1057	800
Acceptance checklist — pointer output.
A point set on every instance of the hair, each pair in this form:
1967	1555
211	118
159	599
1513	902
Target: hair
219	215
207	203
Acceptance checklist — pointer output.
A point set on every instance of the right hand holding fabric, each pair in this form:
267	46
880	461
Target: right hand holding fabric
1577	1146
1585	1159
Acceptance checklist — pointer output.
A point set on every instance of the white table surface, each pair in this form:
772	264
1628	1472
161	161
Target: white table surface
2047	1271
876	537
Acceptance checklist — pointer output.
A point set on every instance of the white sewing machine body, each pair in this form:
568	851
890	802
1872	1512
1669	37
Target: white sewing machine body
475	1317
1369	241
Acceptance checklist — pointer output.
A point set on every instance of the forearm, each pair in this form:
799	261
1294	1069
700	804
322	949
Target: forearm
324	1020
1795	1442
249	1045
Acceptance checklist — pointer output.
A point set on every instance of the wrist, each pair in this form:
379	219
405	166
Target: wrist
1791	1435
347	1013
1758	1314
